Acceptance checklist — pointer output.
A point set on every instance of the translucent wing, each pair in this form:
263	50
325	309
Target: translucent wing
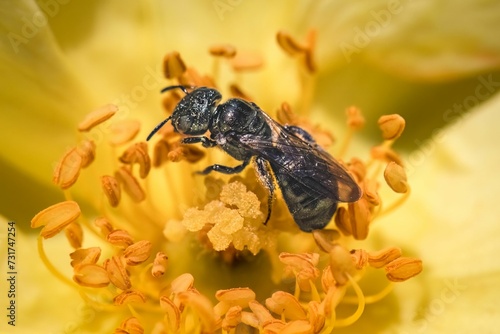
311	180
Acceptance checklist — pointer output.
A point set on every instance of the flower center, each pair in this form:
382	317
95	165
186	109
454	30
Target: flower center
150	263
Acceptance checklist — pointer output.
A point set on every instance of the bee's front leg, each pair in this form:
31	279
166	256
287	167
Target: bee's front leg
264	174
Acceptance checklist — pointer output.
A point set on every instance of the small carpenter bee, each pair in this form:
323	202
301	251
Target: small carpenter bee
311	180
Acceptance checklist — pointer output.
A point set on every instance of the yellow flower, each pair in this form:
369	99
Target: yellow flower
58	67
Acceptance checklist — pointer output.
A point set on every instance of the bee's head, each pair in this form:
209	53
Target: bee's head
193	113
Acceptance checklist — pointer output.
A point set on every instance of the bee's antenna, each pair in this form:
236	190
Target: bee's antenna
183	88
159	126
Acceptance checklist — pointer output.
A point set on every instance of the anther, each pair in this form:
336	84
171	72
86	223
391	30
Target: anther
395	176
232	297
341	264
117	273
289	44
325	238
97	117
137	253
68	169
91	275
222	50
130	184
104	225
124	131
403	268
138	154
359	218
85	256
383	257
392	126
172	313
55	218
247	61
120	238
132	326
86	150
111	189
355	119
285	304
159	265
129	296
74	234
173	65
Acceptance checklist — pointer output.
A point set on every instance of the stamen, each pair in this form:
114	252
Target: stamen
361	306
355	122
173	65
104	225
392	126
223	50
343	221
68	169
325	239
286	305
117	273
129	296
159	265
289	44
236	91
202	306
232	297
111	189
359	218
131	326
370	193
97	117
383	257
85	256
123	131
74	234
91	275
395	176
120	238
246	61
341	265
137	253
403	268
385	153
316	316
261	313
358	168
232	318
130	184
86	150
138	153
297	327
55	218
172	313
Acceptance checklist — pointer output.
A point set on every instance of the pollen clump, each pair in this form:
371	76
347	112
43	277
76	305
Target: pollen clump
233	219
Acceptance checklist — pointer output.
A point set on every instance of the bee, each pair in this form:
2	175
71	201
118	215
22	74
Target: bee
311	180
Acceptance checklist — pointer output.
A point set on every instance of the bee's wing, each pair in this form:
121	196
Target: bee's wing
305	163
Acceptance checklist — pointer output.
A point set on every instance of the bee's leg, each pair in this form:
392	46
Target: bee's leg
301	133
225	169
264	175
206	142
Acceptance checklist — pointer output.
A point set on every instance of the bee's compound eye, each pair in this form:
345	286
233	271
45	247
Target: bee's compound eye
184	124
